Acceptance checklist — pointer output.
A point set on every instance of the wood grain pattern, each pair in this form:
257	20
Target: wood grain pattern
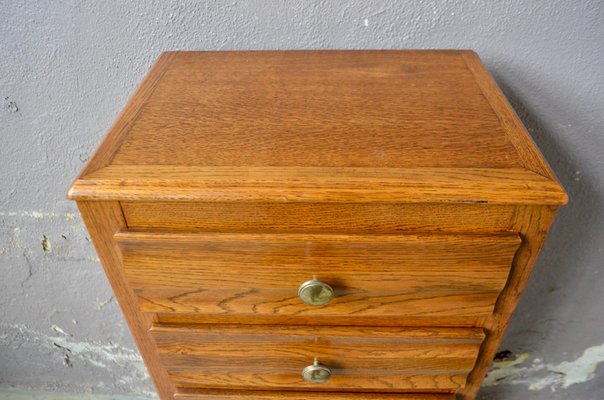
102	219
393	276
199	394
318	109
296	217
450	185
388	359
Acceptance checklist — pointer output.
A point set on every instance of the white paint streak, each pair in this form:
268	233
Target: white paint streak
38	215
538	375
101	304
58	329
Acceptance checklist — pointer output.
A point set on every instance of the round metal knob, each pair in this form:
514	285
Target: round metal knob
315	292
316	373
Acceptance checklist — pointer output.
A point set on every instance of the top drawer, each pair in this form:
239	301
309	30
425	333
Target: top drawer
343	218
440	279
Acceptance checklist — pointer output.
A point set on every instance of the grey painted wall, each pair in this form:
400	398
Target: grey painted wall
68	67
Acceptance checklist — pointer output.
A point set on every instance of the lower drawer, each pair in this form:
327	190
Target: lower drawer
195	394
350	359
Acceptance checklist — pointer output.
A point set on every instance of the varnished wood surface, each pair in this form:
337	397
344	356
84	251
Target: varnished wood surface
316	184
516	132
360	358
342	218
405	126
318	108
386	276
201	394
102	219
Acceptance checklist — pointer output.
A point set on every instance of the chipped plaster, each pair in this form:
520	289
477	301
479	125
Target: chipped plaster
83	354
537	375
67	68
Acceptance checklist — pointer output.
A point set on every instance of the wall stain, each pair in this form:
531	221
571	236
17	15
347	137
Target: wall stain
46	246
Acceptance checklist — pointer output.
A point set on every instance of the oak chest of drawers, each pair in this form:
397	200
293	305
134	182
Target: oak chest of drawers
318	224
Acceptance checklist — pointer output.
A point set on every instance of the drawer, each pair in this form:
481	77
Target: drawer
292	217
419	279
357	359
196	394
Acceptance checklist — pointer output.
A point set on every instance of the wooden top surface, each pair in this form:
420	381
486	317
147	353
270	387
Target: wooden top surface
202	122
318	109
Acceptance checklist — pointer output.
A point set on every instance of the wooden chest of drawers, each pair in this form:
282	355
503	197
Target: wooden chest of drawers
297	225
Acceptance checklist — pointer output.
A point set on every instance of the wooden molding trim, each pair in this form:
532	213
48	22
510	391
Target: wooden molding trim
317	184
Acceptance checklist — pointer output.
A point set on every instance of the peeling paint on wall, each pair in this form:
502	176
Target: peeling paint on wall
93	353
537	375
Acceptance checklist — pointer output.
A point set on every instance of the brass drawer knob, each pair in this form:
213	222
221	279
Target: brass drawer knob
316	373
315	292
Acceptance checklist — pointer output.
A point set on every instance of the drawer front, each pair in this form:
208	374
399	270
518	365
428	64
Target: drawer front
358	359
376	279
196	394
345	218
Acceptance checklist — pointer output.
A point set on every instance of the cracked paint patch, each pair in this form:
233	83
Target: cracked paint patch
100	355
538	375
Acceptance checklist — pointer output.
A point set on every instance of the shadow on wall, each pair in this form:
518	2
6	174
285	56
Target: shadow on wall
556	274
